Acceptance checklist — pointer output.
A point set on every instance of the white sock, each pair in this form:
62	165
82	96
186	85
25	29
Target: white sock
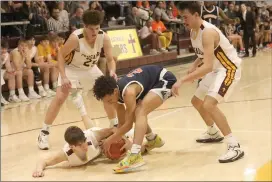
231	139
114	122
12	92
46	127
135	149
31	89
40	87
78	101
212	129
46	86
55	85
21	91
150	136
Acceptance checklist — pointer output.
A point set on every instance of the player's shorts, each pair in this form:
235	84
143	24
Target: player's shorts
82	79
163	87
2	77
218	84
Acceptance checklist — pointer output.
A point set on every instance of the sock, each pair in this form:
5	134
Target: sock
46	86
231	139
135	149
45	128
21	91
55	85
40	87
78	101
150	136
12	92
31	89
114	122
212	129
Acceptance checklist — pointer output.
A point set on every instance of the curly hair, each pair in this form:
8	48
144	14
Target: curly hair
104	85
92	17
74	135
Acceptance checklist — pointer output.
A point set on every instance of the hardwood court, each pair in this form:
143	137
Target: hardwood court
178	123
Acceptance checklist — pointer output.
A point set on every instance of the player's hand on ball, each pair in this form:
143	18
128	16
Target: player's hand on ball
38	173
65	83
175	88
106	144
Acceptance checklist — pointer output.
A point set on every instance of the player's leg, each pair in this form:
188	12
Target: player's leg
50	116
212	134
218	91
110	110
134	158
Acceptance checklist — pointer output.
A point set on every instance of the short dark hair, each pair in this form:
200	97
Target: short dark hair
45	37
92	17
104	85
29	37
192	7
74	135
21	41
4	44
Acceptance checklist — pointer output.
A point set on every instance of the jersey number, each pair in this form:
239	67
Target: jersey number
139	70
87	63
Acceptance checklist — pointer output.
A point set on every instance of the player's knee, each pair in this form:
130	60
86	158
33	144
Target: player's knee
19	73
196	102
30	72
61	97
140	110
208	106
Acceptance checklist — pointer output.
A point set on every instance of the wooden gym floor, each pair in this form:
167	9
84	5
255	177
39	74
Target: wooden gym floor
178	123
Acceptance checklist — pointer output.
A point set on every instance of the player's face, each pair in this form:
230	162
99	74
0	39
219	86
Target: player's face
80	147
22	47
189	19
111	99
92	31
31	42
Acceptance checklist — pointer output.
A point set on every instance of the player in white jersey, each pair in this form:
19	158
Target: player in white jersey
80	53
221	70
81	146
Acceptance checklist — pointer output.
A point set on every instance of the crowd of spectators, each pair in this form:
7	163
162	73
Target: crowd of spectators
157	23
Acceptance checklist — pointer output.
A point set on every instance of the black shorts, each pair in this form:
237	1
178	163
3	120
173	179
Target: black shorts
163	87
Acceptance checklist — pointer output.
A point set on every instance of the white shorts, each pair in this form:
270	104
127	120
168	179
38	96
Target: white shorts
218	85
2	77
80	78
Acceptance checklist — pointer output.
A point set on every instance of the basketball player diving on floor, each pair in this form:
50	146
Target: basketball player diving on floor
134	96
77	64
81	147
221	70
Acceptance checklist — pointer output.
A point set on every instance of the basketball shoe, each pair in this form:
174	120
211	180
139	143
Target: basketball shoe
210	138
157	142
129	163
233	153
43	140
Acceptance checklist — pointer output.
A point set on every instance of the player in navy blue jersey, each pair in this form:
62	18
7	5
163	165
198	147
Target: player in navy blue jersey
134	96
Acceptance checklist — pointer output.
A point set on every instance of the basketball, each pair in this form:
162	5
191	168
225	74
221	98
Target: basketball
115	152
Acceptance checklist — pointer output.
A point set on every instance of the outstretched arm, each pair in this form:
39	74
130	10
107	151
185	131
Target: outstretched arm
49	161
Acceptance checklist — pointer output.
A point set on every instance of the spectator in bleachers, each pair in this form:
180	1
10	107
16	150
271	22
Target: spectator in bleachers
160	11
174	9
235	39
143	4
248	25
76	21
231	13
165	35
36	65
42	8
6	6
7	73
140	17
211	14
55	25
264	13
44	53
259	33
267	33
63	16
20	58
95	5
237	9
147	36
